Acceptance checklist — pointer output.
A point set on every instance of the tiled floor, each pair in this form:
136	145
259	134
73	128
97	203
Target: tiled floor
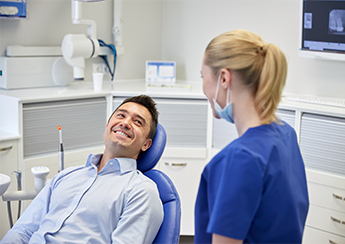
186	239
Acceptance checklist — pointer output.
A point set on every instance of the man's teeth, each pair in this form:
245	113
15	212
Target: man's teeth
121	133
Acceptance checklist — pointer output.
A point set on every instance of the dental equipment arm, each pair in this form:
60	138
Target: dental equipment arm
30	220
40	175
76	47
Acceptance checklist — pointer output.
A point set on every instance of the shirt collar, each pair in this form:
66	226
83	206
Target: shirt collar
122	164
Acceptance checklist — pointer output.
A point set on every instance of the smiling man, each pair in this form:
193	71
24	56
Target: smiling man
105	201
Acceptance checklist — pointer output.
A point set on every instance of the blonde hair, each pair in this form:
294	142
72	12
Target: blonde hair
261	67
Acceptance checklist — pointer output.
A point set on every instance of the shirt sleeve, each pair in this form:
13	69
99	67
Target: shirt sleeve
30	220
141	217
238	195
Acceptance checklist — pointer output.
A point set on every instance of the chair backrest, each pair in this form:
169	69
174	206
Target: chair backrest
170	228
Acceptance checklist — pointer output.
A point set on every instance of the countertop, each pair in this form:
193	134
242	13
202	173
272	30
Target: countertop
118	88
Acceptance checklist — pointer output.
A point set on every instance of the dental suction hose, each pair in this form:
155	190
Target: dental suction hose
19	188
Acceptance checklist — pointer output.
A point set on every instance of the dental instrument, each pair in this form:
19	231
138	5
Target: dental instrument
61	151
40	177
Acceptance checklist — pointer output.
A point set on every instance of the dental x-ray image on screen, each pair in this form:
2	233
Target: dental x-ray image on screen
323	29
336	22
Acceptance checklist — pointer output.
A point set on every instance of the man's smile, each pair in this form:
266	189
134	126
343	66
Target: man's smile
121	132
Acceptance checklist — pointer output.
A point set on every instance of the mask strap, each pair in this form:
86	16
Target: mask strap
217	87
227	96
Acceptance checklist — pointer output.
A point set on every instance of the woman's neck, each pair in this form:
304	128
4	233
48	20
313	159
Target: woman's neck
245	114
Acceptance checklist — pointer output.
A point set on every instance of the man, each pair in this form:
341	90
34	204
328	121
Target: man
105	201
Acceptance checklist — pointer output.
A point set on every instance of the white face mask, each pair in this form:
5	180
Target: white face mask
226	112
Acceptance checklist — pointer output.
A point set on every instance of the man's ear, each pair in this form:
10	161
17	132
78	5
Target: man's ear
146	145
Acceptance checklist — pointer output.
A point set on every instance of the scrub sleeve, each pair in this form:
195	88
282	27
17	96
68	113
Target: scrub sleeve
242	181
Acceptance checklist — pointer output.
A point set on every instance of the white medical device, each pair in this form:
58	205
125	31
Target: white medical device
76	47
40	174
31	72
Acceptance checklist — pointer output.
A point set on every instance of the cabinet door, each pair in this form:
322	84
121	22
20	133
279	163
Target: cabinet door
184	120
287	115
185	174
322	142
82	120
313	236
223	133
326	219
327	197
8	164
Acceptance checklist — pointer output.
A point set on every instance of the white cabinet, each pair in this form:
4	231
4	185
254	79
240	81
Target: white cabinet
8	164
185	172
322	142
326	216
314	236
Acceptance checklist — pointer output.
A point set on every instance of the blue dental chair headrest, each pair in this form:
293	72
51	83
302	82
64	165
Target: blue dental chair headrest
148	159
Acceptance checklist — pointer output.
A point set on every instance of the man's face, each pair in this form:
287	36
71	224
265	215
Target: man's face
126	133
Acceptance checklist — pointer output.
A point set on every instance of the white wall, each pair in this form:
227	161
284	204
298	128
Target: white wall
180	30
50	20
189	25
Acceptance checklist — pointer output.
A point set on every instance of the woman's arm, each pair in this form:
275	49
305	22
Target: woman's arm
224	240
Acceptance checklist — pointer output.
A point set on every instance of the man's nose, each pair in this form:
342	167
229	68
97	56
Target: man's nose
126	123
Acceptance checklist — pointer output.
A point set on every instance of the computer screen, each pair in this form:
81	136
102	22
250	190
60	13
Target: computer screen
160	71
323	29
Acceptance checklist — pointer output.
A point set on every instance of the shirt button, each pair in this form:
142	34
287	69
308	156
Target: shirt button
111	163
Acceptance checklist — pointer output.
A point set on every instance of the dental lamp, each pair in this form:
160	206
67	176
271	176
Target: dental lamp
76	47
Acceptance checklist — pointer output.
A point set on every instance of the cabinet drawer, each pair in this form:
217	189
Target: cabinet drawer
321	218
185	174
312	236
328	197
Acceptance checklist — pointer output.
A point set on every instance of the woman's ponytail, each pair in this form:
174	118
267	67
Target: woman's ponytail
271	83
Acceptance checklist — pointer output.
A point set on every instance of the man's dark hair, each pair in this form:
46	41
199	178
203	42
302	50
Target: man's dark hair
148	103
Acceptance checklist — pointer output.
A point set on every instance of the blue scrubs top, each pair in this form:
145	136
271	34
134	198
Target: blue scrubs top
255	189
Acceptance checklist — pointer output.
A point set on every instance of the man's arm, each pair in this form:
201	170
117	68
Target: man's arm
141	217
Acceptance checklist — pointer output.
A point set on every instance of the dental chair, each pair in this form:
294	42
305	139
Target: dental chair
169	231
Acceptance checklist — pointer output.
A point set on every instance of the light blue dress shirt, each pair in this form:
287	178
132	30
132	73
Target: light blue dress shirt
117	205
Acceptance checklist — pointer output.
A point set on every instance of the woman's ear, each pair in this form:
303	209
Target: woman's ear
225	78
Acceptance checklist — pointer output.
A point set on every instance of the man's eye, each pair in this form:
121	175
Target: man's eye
120	115
138	122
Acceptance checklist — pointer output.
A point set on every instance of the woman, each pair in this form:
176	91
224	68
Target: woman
254	190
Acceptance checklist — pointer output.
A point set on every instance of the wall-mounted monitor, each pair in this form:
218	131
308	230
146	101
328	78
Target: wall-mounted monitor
160	71
322	29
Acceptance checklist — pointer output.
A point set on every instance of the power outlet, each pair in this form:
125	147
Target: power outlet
105	69
100	68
